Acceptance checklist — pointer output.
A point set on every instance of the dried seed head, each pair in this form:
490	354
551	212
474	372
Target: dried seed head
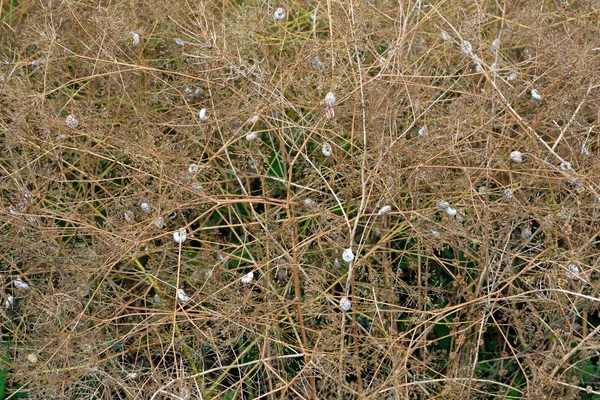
508	194
247	278
32	358
535	95
329	100
182	296
72	121
316	63
279	14
348	255
345	304
19	284
326	149
203	116
145	207
384	210
180	235
309	203
516	156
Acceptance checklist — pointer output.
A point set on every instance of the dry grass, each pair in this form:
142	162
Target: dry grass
499	301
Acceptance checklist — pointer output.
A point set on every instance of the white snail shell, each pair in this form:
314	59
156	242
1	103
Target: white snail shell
348	255
251	136
329	113
179	42
345	304
182	296
516	156
129	216
572	271
508	194
159	222
72	121
203	116
180	235
9	302
279	14
326	149
536	95
451	211
446	37
136	39
466	47
384	210
443	204
309	203
193	168
19	284
329	99
247	278
145	207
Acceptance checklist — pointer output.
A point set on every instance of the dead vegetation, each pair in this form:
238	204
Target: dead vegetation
480	280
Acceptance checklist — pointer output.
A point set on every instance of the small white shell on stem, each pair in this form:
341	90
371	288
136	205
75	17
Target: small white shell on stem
572	271
9	302
348	255
247	278
19	284
516	156
329	113
443	204
326	149
279	14
145	207
159	222
329	100
384	210
180	235
135	39
251	136
345	304
535	95
202	115
72	121
451	211
182	296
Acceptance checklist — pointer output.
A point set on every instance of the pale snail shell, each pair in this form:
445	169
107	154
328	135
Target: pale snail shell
326	149
535	95
251	136
19	284
180	235
136	39
159	222
443	204
451	211
345	303
129	216
466	47
348	255
384	210
572	271
202	115
72	121
446	37
516	156
309	203
182	296
179	42
279	14
10	301
145	207
508	194
329	113
193	168
247	278
329	99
